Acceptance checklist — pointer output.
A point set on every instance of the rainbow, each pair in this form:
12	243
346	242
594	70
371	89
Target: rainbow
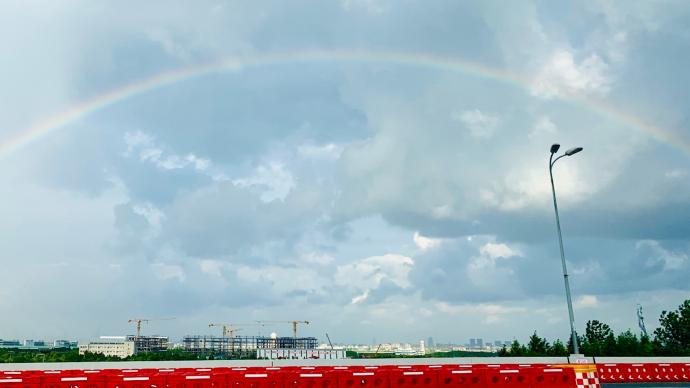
61	120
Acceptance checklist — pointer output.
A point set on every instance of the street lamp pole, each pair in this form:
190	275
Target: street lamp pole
552	161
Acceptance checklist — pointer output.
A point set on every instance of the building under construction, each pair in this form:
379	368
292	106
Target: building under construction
243	345
149	343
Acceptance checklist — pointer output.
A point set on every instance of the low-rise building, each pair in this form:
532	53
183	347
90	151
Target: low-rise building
114	347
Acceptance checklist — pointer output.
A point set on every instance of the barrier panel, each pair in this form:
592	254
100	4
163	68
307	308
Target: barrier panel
18	381
256	378
311	379
458	377
72	379
542	377
364	378
413	377
497	377
134	381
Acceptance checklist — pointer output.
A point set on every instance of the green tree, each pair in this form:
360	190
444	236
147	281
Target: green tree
673	335
558	349
599	339
627	344
537	346
517	350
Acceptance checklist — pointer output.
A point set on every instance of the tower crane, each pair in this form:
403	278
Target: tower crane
640	320
294	325
231	328
139	321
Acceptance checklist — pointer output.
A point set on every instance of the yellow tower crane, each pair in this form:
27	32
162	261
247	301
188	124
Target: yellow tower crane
294	325
139	321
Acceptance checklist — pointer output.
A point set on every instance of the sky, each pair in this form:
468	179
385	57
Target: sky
376	167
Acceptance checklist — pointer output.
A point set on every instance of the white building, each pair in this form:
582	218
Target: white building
111	347
287	354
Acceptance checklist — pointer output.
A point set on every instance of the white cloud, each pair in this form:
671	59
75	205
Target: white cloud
543	128
484	269
367	274
281	280
318	258
273	179
144	145
586	301
481	125
671	261
425	243
360	298
561	75
329	151
491	313
165	271
212	267
370	6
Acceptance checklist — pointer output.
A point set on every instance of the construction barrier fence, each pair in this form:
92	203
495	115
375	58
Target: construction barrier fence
382	376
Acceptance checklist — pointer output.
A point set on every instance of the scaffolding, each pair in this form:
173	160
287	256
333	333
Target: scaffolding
146	344
242	345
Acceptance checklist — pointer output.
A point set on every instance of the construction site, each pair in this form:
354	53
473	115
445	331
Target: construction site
227	345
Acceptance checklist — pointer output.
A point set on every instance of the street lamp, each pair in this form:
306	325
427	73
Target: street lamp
552	161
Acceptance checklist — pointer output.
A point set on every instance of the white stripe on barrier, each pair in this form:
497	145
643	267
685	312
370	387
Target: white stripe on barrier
204	377
435	366
637	364
166	370
310	375
307	367
239	368
144	378
130	370
341	367
92	371
461	371
525	365
204	370
404	366
256	375
371	367
493	365
553	370
74	379
52	372
509	371
13	373
273	368
363	374
465	366
10	380
412	373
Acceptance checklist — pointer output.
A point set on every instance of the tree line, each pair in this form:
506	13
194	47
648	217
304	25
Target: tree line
671	338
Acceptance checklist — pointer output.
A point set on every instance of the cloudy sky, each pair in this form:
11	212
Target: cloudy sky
377	167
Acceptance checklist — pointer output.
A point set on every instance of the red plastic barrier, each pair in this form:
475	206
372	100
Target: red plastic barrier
133	380
311	379
18	381
541	377
461	378
255	378
365	378
508	378
72	379
413	377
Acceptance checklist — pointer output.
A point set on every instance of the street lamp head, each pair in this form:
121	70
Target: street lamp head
573	151
554	148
